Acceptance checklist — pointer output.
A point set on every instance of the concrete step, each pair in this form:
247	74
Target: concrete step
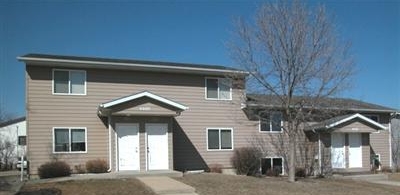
164	185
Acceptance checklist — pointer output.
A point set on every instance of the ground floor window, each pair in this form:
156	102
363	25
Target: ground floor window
219	138
272	166
69	139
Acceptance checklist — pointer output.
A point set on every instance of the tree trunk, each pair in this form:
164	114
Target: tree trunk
292	157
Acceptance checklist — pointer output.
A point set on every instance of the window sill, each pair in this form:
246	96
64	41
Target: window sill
72	94
216	99
83	152
219	150
270	132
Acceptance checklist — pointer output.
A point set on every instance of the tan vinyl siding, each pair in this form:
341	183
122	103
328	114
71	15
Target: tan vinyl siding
355	127
187	131
380	145
46	111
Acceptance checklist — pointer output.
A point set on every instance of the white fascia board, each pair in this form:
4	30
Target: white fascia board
144	94
356	116
114	64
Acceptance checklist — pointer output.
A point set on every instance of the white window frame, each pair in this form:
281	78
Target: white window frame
219	137
218	90
272	161
69	82
70	145
270	125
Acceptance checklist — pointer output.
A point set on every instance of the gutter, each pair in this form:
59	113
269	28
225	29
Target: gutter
132	65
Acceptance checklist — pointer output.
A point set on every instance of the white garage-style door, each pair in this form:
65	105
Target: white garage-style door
355	152
157	146
128	146
337	150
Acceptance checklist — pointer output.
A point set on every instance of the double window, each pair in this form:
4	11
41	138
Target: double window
272	166
271	122
219	139
69	82
69	139
218	88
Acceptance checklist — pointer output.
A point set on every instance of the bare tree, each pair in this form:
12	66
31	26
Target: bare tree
395	134
293	52
7	154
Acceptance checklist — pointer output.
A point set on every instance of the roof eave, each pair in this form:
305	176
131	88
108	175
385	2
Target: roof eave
331	108
129	66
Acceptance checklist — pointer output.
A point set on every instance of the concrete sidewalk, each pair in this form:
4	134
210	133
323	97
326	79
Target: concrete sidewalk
10	182
162	185
374	178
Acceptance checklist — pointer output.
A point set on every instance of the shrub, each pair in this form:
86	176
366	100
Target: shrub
300	172
275	172
54	169
215	168
80	169
97	166
386	169
246	160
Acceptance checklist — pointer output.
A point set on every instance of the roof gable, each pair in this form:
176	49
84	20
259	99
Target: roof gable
145	94
337	121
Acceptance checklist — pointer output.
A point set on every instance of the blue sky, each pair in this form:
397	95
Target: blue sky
193	32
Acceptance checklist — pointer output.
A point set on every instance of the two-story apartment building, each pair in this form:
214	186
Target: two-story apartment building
147	115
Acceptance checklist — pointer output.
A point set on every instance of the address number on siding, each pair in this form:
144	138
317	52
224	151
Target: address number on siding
144	108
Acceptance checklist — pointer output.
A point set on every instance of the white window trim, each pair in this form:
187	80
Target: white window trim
218	78
283	162
69	131
219	137
270	125
69	82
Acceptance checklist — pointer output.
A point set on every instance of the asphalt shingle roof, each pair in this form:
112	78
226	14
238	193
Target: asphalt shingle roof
128	61
323	103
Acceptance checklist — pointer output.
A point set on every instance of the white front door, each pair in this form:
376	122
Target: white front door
337	150
128	146
157	146
355	152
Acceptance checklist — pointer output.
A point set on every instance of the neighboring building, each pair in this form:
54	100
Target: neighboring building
145	115
14	132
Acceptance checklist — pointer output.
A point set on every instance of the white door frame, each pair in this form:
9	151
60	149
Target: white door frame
342	137
117	125
355	153
166	147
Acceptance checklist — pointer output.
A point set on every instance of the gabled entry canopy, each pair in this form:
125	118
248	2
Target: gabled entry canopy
351	123
143	103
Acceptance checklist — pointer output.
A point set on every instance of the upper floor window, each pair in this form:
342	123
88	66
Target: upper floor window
218	88
373	117
271	122
70	82
69	139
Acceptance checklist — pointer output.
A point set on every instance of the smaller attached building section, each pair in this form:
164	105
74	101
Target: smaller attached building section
344	142
140	130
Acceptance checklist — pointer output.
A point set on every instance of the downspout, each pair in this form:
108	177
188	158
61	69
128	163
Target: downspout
109	143
390	143
319	154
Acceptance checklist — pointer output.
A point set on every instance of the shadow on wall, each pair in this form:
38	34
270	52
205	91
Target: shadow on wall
186	156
